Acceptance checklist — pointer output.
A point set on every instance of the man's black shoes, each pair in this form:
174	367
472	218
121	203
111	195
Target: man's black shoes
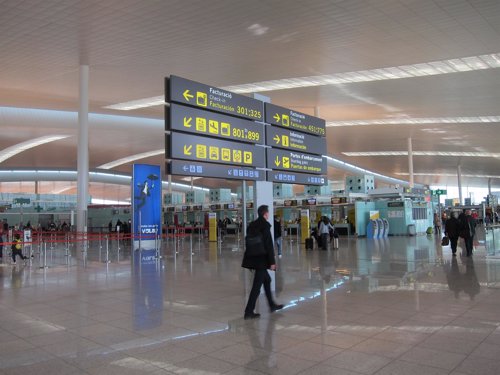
276	308
251	315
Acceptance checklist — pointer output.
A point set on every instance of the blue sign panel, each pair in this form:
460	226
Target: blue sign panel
187	168
146	205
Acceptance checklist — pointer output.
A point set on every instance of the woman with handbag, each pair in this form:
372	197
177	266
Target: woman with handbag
259	256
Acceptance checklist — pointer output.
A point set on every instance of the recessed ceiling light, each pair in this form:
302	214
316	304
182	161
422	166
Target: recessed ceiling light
424	153
130	158
447	175
417	121
403	71
189	178
137	104
23	146
463	64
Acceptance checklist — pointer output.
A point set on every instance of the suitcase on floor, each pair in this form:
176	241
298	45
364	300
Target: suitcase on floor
335	242
309	243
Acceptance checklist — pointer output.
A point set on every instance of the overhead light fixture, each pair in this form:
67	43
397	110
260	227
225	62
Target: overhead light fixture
137	104
128	159
463	64
416	121
9	152
424	153
448	175
190	178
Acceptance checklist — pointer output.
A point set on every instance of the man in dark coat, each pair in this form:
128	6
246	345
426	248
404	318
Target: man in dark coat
468	230
261	263
452	230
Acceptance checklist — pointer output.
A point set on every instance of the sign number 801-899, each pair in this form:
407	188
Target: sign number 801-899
250	135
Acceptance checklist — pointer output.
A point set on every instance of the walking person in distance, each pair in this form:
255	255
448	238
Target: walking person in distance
452	230
277	234
324	231
468	230
260	258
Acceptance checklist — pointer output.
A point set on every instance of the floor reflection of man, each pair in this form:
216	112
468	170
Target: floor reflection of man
458	281
453	277
470	283
263	350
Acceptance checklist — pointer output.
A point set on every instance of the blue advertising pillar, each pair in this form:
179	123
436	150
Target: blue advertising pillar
146	207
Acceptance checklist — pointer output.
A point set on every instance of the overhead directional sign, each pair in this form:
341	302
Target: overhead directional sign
185	91
294	140
197	121
196	169
439	192
295	178
288	118
295	161
192	147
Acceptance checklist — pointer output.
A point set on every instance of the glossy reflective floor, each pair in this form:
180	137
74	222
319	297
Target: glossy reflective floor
400	305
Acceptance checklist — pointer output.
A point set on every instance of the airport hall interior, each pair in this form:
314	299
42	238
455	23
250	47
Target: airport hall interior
258	187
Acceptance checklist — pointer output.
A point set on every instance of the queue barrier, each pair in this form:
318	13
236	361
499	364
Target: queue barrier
52	248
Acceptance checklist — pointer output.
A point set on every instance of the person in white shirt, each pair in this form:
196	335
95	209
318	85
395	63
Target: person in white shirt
324	231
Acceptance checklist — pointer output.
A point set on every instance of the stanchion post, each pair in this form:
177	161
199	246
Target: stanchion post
107	250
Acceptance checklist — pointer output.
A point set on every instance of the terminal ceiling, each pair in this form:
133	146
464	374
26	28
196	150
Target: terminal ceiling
131	45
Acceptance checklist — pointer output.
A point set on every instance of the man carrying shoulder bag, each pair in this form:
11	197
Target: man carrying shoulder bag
259	256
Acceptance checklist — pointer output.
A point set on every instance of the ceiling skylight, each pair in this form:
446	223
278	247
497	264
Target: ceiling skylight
130	158
9	152
463	64
448	175
424	153
416	121
403	71
139	103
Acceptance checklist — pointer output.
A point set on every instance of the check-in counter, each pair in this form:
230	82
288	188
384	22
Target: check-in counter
232	229
343	228
292	229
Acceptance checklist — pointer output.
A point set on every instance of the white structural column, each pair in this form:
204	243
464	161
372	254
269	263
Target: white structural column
410	162
263	194
459	180
83	151
244	208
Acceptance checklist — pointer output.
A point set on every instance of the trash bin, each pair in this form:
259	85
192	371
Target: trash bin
412	230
